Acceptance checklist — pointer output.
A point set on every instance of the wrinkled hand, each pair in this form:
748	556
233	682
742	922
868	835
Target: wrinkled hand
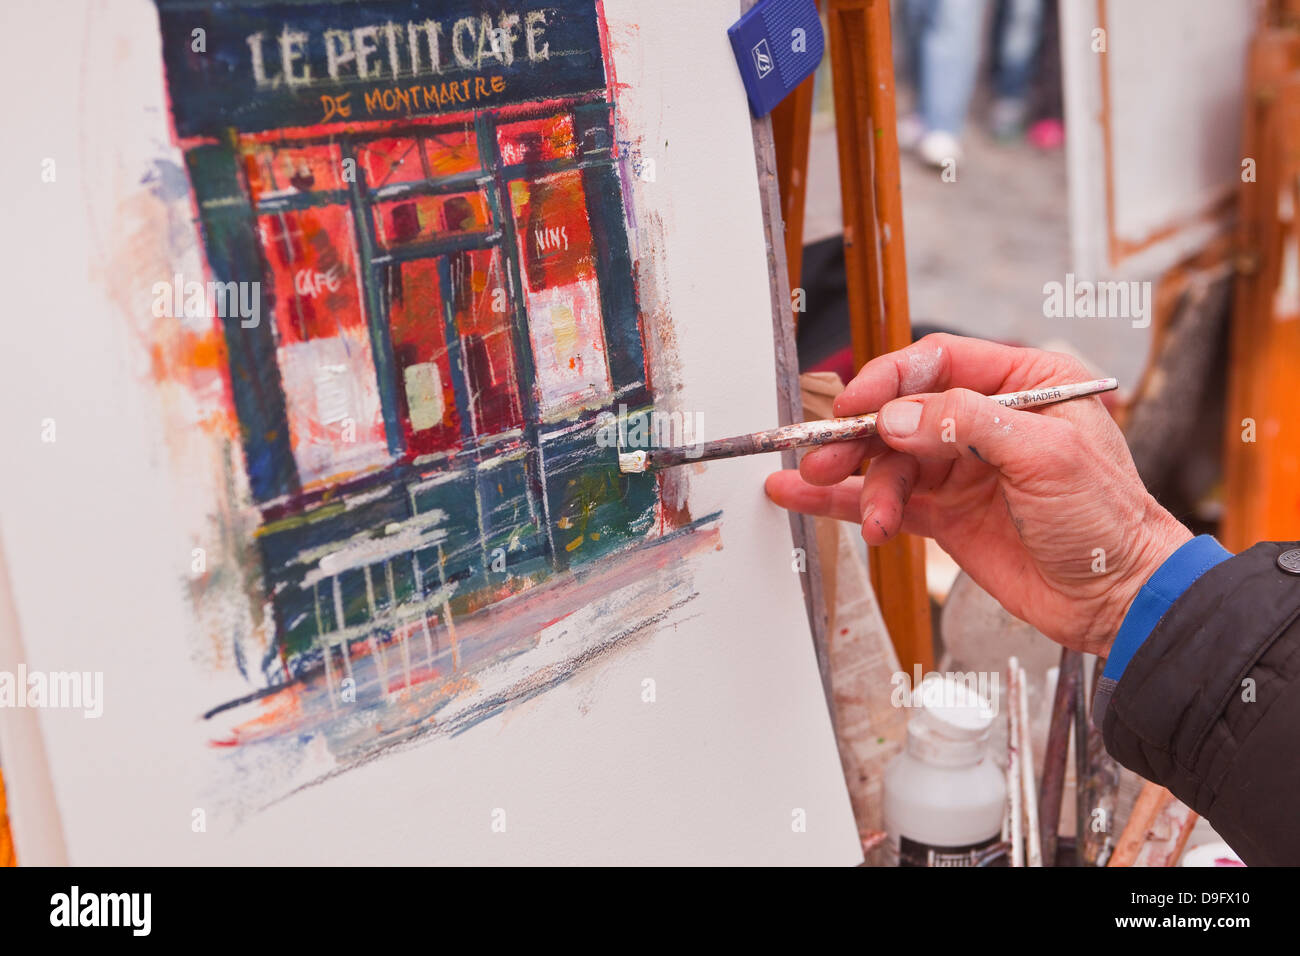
1044	509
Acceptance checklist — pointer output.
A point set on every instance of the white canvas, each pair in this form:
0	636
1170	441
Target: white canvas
702	737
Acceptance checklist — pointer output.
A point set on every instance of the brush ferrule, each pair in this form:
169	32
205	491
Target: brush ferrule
633	462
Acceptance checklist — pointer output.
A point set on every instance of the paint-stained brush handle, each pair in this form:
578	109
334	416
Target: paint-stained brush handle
824	432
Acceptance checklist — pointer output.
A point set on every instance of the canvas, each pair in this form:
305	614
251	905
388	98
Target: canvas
338	316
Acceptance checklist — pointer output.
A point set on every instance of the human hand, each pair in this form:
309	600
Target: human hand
1043	509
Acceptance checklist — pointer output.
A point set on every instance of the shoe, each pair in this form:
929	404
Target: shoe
1047	134
910	131
938	147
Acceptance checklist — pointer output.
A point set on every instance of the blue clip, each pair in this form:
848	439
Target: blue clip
778	45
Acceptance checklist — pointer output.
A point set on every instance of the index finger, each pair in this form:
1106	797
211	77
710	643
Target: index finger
940	362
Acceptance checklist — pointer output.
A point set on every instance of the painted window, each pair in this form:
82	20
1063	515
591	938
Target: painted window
392	161
323	345
562	292
417	322
463	295
481	312
422	218
537	140
387	162
452	153
275	172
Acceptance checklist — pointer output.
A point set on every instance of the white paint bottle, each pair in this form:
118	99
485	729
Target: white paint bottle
944	795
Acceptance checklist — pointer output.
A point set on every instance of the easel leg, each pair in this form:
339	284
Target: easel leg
862	65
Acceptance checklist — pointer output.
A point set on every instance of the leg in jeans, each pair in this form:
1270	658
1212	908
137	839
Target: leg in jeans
1018	41
945	38
914	14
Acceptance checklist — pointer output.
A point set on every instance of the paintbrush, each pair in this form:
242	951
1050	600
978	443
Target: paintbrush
827	431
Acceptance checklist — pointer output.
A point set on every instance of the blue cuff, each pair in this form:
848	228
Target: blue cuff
1166	586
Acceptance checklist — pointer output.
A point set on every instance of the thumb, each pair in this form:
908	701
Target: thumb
960	423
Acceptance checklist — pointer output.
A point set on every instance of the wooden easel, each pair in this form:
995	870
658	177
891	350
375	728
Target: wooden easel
862	65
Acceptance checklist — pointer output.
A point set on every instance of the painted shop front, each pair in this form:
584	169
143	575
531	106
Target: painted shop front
428	197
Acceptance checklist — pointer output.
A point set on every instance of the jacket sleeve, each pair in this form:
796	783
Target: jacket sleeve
1209	705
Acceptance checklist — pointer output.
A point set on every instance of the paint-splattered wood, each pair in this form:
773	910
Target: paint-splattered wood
1097	777
1157	830
1056	752
868	727
862	67
789	403
792	129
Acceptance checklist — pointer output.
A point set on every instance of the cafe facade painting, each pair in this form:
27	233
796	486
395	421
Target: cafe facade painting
429	202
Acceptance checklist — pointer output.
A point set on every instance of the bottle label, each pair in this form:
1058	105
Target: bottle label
915	853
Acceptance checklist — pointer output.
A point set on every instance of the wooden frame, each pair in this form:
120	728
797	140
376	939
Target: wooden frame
1101	245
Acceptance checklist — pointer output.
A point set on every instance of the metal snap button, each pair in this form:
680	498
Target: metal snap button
1289	561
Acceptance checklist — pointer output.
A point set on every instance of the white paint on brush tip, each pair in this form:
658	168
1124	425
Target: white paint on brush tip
633	462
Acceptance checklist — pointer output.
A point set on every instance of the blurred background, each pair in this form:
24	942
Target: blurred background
981	241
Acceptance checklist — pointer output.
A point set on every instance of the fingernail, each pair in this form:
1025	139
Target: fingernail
866	517
901	419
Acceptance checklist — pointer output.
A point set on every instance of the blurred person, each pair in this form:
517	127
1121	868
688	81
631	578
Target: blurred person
1046	101
1017	44
943	51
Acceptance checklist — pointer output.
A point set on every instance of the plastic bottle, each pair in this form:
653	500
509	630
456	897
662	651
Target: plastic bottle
944	795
